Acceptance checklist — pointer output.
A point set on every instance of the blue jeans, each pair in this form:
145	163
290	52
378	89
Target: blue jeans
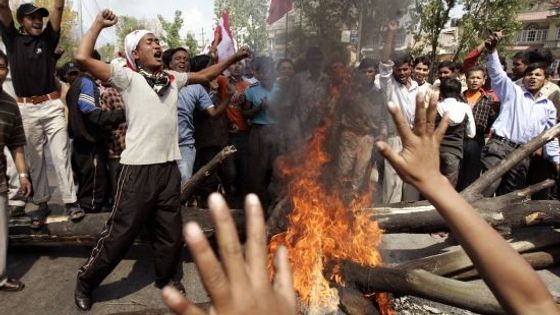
188	153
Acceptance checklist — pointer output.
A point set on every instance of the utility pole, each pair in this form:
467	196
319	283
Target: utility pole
360	28
81	13
202	38
286	36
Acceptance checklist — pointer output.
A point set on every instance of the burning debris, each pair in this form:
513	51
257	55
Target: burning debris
323	229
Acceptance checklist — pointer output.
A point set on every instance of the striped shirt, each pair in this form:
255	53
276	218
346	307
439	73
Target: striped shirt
11	132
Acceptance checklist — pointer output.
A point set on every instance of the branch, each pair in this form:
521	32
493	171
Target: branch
474	191
475	297
188	188
457	260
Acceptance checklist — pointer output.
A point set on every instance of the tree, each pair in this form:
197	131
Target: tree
171	29
68	37
430	19
320	23
128	24
247	21
192	44
483	16
107	52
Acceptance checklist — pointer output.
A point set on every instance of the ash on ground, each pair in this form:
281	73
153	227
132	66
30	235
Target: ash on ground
410	305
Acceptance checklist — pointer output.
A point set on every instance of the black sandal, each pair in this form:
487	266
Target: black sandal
39	217
75	212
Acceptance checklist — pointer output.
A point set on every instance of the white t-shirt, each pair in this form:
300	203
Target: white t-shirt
151	137
456	112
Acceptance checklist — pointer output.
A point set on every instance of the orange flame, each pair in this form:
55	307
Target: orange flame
323	229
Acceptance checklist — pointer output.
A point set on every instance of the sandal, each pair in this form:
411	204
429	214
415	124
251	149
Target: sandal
74	212
39	217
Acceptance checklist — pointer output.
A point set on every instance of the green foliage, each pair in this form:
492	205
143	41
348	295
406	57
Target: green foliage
247	21
191	44
128	24
324	20
171	30
428	20
107	52
484	16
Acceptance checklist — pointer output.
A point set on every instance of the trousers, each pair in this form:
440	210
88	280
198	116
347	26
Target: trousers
145	195
45	126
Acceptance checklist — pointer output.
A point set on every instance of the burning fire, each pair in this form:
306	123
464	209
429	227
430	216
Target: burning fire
323	229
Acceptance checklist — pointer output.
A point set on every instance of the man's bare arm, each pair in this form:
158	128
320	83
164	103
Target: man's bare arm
97	68
392	28
55	16
5	13
213	71
512	280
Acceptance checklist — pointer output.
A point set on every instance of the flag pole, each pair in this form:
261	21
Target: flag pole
286	37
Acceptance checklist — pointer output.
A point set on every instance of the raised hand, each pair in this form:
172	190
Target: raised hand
239	285
418	162
393	25
106	18
242	53
493	40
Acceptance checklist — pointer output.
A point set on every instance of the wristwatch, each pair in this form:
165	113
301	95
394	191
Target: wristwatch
23	175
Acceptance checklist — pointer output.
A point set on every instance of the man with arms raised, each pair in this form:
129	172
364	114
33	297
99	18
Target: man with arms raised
149	184
31	53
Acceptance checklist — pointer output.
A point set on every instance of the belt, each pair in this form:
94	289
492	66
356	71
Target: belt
39	99
506	141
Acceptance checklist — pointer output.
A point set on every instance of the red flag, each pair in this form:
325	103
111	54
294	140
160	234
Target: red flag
223	40
277	9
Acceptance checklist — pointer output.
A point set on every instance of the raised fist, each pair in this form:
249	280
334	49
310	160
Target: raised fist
106	18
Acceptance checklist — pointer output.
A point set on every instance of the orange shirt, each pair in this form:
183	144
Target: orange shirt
234	111
473	97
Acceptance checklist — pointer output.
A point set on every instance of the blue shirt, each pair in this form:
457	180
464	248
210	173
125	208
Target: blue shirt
255	94
190	97
522	116
86	100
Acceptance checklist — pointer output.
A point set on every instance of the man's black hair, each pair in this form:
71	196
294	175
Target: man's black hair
453	66
523	56
402	58
476	68
281	61
537	65
543	55
199	62
166	57
450	88
261	63
4	56
424	60
368	63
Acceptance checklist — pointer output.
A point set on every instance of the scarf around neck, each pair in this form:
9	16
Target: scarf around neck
159	81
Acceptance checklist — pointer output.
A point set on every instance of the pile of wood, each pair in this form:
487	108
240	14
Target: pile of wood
440	278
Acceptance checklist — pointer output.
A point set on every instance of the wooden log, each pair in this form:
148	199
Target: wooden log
188	188
475	190
353	302
457	260
504	211
60	230
538	260
475	297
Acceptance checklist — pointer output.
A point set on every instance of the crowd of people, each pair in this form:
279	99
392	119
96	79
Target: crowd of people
125	136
